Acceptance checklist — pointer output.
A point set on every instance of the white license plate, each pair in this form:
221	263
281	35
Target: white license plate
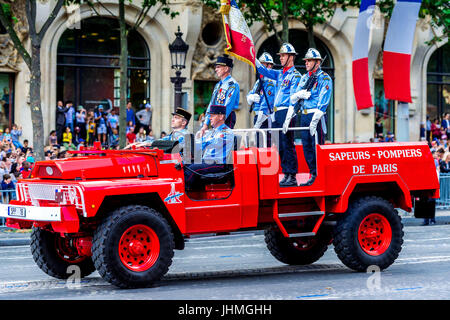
17	212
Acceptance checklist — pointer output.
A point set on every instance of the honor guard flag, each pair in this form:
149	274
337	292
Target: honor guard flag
360	60
237	33
397	50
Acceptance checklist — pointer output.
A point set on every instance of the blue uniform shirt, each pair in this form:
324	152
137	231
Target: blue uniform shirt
216	145
320	92
177	136
270	89
286	83
226	93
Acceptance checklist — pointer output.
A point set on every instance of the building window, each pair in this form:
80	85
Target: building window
438	83
299	39
6	100
88	65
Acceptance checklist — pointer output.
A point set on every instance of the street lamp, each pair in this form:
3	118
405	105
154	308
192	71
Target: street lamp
178	50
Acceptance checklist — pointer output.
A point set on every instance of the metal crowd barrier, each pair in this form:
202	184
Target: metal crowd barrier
444	201
6	196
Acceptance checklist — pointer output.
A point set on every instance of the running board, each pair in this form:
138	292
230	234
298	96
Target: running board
301	234
277	216
300	214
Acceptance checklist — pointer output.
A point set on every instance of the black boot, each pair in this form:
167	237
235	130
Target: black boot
290	181
284	178
309	182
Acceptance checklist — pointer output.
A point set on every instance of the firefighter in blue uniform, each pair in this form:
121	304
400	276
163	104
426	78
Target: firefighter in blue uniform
226	93
263	99
314	93
215	146
179	122
287	81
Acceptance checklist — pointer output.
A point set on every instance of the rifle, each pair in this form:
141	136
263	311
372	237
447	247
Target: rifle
308	86
258	89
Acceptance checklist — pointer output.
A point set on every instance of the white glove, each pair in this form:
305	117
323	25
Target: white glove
251	98
302	94
260	119
287	120
315	120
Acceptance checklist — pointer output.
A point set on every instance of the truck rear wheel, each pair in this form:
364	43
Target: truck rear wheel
296	251
55	254
370	234
133	247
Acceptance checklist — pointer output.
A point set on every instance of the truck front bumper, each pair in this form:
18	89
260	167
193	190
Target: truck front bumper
62	219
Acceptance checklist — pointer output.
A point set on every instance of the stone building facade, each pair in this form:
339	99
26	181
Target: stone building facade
70	71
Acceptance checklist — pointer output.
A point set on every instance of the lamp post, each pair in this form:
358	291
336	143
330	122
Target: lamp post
178	50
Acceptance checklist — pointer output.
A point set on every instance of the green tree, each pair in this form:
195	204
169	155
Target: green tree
32	59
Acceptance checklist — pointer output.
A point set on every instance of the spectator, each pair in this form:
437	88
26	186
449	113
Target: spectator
444	164
81	121
26	169
91	128
7	136
113	121
114	139
100	121
378	127
81	145
130	126
436	129
52	139
68	139
70	115
25	148
445	124
16	132
60	119
130	113
145	117
141	136
423	132
131	136
428	128
7	183
150	137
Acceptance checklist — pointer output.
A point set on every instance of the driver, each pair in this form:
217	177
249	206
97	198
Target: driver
179	122
215	147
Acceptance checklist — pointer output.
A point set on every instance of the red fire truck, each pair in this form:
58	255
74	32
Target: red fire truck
124	212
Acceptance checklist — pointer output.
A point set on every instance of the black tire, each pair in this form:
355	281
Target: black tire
109	247
54	255
296	251
359	254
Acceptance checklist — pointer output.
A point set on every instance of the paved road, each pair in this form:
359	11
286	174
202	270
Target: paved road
241	268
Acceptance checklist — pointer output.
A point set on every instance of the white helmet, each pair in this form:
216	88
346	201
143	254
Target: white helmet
312	54
287	48
266	58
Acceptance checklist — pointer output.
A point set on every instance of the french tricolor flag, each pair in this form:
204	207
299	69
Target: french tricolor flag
360	63
397	50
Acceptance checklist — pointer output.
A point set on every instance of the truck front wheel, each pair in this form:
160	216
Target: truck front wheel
55	254
370	234
133	247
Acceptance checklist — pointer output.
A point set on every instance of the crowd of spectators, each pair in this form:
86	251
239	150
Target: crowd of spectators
16	158
80	128
436	133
